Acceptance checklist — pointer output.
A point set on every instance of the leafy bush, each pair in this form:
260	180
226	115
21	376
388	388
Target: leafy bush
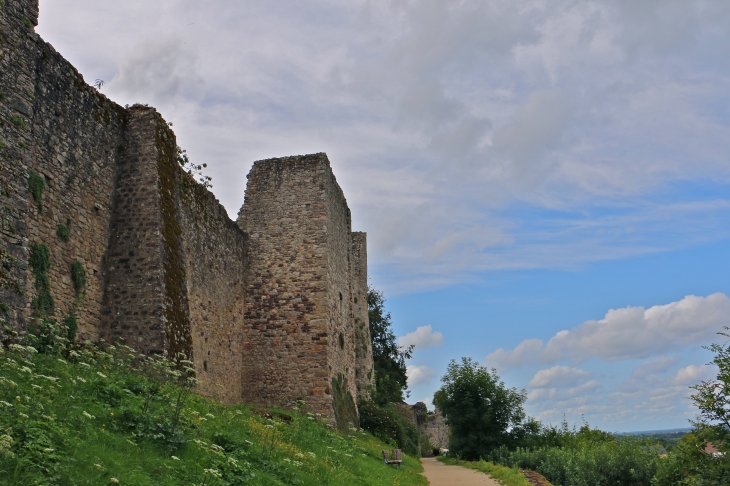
389	425
588	457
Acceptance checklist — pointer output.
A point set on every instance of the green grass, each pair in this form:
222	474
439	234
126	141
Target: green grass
85	416
505	475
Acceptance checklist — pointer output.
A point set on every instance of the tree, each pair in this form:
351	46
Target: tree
389	360
481	411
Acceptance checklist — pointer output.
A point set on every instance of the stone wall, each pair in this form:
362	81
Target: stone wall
364	374
437	430
270	309
53	123
215	258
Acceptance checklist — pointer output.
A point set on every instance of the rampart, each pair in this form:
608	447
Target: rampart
270	309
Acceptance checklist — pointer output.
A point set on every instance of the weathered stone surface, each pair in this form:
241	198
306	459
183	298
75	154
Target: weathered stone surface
270	310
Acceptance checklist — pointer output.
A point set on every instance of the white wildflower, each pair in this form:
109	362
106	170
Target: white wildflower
286	459
213	472
6	444
23	415
81	379
88	415
101	374
114	480
174	458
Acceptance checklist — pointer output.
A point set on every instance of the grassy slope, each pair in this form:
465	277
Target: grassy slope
505	475
91	419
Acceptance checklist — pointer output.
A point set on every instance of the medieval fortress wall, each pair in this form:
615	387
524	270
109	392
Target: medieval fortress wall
271	308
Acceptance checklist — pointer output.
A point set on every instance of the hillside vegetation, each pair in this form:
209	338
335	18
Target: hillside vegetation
86	415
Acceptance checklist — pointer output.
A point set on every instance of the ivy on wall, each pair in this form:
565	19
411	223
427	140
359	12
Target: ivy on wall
36	185
40	262
78	276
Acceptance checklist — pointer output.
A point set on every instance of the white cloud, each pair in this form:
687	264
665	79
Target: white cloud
440	116
654	366
157	70
627	333
692	375
419	375
559	377
423	337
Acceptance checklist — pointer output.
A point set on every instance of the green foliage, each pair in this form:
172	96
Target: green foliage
389	360
181	156
84	415
388	424
343	403
36	185
72	325
18	121
506	476
78	276
2	145
40	262
625	460
63	232
483	414
687	464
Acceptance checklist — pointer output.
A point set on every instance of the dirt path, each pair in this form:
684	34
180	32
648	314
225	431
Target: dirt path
439	474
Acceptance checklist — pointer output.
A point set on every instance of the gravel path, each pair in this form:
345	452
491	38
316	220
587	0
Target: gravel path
439	474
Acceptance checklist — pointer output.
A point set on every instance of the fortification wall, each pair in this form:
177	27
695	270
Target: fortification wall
364	374
267	317
53	123
215	258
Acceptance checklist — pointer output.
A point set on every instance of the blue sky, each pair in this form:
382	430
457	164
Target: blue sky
544	184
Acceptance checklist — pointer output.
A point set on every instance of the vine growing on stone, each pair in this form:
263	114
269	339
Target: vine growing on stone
36	185
78	276
40	262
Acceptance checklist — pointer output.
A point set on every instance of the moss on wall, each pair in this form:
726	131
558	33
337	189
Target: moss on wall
343	403
176	306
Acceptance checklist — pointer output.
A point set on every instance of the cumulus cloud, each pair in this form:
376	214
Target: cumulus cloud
691	375
559	377
654	366
626	333
423	337
419	375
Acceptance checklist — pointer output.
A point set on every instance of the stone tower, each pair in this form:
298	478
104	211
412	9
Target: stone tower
301	286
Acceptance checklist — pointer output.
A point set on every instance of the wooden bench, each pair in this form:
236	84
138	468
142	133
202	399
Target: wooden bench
394	459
